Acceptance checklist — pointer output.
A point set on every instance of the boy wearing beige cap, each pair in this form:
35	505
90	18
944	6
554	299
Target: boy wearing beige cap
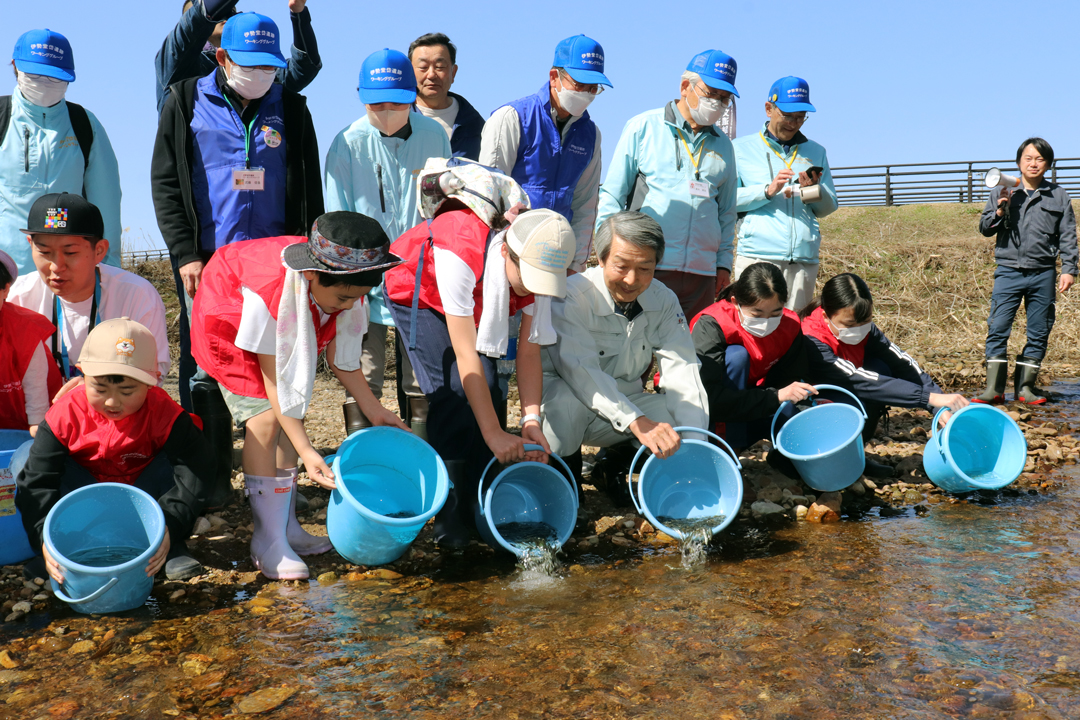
119	427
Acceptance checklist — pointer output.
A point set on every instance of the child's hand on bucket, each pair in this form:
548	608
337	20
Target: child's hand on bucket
388	419
318	470
52	567
157	560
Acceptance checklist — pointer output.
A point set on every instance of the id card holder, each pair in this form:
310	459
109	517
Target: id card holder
699	188
248	179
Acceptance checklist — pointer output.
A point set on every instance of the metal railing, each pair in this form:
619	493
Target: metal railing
135	257
941	182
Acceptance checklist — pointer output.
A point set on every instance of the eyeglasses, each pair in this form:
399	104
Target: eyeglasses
574	85
793	117
712	93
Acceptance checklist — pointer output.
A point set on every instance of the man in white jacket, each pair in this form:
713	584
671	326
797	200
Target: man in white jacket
613	320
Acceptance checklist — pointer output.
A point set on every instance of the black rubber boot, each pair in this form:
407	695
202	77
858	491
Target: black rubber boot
877	470
610	473
35	568
997	373
418	415
355	421
217	422
179	565
1027	372
782	464
454	525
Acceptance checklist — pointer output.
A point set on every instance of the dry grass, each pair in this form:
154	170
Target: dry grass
932	274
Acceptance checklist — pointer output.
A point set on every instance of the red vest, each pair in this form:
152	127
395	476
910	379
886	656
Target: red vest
764	352
113	451
21	332
255	264
817	326
462	233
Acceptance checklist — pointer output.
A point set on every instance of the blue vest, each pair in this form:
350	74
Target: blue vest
227	215
547	170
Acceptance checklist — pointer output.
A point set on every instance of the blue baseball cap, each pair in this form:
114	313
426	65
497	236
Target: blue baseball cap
387	76
583	59
252	39
716	69
791	94
44	52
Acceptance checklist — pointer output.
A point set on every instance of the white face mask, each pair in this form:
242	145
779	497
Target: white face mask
41	90
389	121
852	336
760	327
250	83
575	102
708	110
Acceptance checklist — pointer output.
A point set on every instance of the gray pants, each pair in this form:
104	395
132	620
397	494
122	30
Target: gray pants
800	278
373	363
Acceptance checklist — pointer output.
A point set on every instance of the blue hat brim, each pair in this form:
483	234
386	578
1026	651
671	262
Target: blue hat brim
256	59
33	68
374	96
719	84
588	77
795	107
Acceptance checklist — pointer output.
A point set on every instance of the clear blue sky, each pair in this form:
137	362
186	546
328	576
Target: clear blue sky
915	81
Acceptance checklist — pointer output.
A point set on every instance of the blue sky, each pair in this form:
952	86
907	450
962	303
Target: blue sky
915	81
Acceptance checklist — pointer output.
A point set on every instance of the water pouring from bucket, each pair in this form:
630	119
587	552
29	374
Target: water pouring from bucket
824	442
980	448
529	509
389	483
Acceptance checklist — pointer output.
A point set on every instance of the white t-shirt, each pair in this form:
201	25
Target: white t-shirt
446	117
457	283
257	331
123	294
36	385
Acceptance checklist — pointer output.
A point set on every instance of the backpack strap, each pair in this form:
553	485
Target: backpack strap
84	131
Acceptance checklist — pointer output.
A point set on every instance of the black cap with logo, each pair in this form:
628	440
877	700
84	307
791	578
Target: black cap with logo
64	214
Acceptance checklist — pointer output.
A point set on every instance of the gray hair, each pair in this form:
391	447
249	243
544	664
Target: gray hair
693	77
635	228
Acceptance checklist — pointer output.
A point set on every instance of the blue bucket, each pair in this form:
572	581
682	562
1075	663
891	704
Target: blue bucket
14	547
824	442
389	483
103	536
981	448
699	481
527	492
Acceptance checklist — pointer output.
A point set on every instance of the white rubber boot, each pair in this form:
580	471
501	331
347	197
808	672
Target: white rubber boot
301	541
271	499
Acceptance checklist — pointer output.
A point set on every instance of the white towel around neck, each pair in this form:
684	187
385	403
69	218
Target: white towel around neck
493	334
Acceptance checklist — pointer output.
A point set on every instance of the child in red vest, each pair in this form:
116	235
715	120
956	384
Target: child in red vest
264	311
118	426
28	375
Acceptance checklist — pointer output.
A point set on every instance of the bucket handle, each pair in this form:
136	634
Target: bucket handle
934	422
528	447
92	596
772	428
680	429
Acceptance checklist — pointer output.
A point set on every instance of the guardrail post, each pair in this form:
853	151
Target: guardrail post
888	188
971	187
1053	174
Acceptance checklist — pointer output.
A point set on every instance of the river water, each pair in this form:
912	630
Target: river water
968	610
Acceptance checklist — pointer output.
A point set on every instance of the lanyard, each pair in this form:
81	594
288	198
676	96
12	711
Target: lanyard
697	161
61	354
247	135
793	155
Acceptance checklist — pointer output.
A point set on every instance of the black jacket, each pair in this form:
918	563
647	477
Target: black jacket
1035	231
186	448
465	141
174	158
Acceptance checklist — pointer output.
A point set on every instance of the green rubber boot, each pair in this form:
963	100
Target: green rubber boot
997	374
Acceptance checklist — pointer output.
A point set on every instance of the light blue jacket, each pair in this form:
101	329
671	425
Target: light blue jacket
39	155
651	171
376	176
780	228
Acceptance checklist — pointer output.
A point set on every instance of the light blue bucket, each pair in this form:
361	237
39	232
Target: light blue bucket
824	442
981	448
389	483
526	492
699	481
103	536
14	547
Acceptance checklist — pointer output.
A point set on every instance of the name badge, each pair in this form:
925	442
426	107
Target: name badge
699	188
248	179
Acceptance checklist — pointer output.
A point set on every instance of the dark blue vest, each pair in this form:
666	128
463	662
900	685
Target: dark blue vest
547	169
226	215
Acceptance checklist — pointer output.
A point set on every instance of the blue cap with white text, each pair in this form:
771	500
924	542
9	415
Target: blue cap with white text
252	40
387	76
583	59
791	94
716	69
44	52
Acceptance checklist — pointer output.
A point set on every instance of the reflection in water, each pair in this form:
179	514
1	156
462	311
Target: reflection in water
968	611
